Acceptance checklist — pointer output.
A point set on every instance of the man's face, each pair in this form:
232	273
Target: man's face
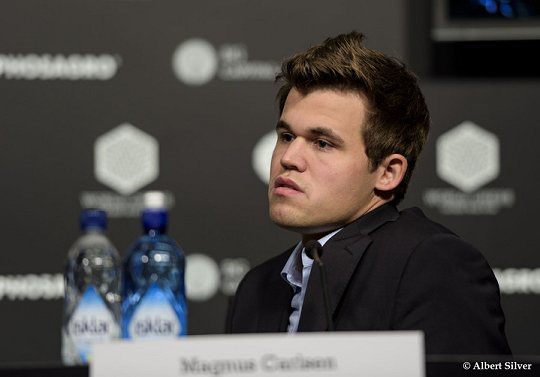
319	177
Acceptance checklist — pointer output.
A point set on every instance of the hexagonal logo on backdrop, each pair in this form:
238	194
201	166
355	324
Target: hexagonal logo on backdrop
126	159
468	156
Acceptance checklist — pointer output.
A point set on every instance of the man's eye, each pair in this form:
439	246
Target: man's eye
322	144
286	137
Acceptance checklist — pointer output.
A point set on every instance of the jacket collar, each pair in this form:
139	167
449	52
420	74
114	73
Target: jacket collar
369	222
341	255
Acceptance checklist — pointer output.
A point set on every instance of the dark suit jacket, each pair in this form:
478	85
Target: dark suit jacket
388	270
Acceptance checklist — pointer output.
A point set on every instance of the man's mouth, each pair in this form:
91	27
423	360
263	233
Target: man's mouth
286	186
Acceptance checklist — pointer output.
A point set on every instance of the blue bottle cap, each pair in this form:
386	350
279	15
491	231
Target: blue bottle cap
93	218
154	218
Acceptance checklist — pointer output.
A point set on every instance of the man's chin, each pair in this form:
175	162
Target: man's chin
302	226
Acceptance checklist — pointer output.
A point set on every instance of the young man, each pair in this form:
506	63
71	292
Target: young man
352	124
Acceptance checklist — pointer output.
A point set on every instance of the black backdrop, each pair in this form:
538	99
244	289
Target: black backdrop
77	75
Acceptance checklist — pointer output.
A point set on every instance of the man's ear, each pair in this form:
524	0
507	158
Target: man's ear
390	172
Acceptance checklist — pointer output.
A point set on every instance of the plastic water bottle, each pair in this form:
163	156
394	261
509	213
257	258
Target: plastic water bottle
154	300
92	279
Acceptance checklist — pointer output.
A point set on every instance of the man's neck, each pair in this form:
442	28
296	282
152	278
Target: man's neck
372	205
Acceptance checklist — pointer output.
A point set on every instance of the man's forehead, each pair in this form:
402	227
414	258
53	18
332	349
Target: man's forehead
338	110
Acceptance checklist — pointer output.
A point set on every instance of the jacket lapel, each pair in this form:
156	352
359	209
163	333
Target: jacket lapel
340	260
274	316
341	255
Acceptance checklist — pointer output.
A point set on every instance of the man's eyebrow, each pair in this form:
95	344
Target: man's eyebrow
328	133
316	131
283	124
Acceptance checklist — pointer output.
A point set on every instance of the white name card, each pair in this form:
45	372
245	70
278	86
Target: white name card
399	354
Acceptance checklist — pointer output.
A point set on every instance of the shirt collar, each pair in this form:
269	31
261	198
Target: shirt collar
292	271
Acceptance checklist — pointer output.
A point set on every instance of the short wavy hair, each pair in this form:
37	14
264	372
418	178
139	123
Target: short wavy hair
398	118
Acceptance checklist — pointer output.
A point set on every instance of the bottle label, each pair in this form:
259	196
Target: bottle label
91	322
154	317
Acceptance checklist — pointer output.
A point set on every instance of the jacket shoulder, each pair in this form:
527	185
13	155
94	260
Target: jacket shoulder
415	222
409	230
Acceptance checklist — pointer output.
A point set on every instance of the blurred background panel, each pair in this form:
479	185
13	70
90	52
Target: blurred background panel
104	100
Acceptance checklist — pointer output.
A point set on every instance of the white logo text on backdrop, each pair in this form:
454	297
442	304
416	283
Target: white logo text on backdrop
58	67
196	62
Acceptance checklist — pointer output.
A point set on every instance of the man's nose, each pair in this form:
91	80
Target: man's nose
294	156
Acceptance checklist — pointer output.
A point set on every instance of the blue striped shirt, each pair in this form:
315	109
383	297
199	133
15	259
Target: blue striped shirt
296	272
